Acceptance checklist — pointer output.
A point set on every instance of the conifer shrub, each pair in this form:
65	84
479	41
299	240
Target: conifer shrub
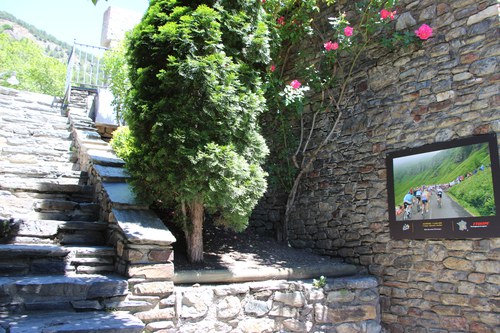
195	99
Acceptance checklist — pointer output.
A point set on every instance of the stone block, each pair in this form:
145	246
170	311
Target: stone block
257	308
157	288
458	264
294	325
234	289
295	299
108	287
160	325
153	271
229	307
196	303
316	295
133	255
131	306
340	296
86	305
482	15
156	315
161	255
345	314
279	310
264	325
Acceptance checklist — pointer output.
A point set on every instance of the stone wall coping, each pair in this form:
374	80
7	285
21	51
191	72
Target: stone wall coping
142	227
265	273
362	282
122	194
111	174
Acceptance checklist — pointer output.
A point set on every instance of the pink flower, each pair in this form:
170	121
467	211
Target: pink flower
329	46
272	68
384	13
295	84
348	31
424	32
281	20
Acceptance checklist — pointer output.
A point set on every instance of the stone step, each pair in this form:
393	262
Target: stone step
58	185
65	210
46	153
76	215
21	204
43	170
55	230
69	322
23	259
23	250
35	131
91	259
44	292
91	251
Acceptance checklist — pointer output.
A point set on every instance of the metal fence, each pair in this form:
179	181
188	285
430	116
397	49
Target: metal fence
84	68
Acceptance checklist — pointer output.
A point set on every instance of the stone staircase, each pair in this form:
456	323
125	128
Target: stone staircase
56	269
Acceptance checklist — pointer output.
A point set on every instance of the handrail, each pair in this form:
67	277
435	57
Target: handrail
84	68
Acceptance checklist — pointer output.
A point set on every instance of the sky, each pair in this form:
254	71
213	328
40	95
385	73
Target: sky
68	20
413	159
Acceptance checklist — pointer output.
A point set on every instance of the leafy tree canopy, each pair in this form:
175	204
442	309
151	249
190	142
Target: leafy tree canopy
34	70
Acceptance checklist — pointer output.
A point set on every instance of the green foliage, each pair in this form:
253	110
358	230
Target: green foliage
34	70
5	27
122	142
320	283
116	70
475	194
194	104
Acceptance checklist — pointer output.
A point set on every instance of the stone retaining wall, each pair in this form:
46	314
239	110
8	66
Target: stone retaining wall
342	305
446	89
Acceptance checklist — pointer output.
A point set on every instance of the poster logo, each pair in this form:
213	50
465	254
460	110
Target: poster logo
462	226
406	227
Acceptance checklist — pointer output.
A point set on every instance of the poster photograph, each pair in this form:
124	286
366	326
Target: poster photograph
445	190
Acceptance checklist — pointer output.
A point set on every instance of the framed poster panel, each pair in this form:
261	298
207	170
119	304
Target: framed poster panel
445	190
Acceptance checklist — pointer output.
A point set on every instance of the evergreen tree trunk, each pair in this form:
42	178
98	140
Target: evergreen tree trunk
194	236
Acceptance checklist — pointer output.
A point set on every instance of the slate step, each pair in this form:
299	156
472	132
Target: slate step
24	259
82	212
53	292
68	322
91	259
44	185
67	232
50	170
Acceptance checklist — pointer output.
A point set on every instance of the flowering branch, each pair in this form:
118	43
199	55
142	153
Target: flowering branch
344	47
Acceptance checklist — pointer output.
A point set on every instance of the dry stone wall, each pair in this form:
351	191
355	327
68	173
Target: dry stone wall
446	89
342	305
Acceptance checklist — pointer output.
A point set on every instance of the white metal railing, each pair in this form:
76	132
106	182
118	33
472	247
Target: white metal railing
84	68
